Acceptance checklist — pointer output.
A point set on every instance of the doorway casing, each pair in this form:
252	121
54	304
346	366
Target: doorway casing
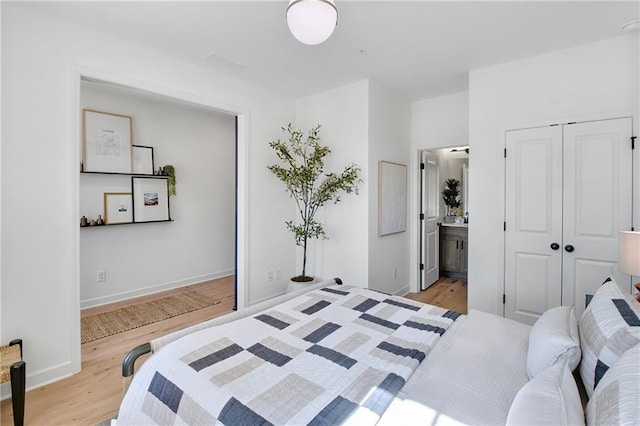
430	210
242	117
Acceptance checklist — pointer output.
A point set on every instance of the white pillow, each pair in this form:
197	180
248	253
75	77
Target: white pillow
608	328
550	398
616	400
554	334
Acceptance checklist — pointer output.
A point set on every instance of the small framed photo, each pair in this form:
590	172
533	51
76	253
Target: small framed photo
142	160
106	142
150	199
118	208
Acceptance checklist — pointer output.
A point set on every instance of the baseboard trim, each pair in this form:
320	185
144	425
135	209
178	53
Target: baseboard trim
264	299
404	290
103	300
41	378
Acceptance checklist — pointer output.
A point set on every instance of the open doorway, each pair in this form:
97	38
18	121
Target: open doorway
196	242
443	228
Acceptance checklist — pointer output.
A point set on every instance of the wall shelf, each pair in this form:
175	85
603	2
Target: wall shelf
125	174
129	198
128	223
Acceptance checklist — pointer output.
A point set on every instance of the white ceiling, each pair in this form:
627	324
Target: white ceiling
420	49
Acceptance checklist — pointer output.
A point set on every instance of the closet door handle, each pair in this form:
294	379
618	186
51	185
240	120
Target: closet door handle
555	246
569	248
461	244
457	244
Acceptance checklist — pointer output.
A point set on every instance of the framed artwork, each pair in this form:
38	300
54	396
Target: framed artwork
118	208
106	142
392	198
142	160
150	199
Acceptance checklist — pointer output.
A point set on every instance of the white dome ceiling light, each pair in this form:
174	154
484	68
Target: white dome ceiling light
312	21
631	26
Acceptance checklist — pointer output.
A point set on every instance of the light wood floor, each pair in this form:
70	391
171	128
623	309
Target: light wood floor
449	293
94	394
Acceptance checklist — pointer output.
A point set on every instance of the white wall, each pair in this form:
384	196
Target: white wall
362	123
598	80
388	141
343	114
200	243
42	58
435	123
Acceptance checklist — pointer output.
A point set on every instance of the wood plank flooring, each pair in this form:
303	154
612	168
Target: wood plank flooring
449	293
94	394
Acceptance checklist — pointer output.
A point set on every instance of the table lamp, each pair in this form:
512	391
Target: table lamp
629	255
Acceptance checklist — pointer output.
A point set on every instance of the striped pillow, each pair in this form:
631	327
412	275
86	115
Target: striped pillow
608	328
616	400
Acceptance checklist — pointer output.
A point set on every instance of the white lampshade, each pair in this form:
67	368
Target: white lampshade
629	254
312	21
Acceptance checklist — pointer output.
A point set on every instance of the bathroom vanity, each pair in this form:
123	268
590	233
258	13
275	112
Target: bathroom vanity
453	250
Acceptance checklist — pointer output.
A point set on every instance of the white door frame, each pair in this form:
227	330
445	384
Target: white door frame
77	74
418	222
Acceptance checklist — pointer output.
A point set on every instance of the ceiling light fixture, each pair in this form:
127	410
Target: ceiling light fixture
312	21
631	26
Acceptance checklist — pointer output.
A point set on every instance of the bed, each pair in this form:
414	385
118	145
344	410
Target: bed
339	354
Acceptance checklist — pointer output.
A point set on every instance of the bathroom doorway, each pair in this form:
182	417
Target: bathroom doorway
444	221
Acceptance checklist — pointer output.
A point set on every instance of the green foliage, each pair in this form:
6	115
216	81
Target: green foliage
450	193
171	172
303	174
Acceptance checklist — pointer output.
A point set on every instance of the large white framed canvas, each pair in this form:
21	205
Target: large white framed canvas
106	142
150	199
392	198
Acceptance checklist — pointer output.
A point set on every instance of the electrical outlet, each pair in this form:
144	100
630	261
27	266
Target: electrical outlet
270	276
101	276
278	274
395	272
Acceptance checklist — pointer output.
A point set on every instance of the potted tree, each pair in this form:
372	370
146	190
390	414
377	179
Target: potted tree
302	172
450	195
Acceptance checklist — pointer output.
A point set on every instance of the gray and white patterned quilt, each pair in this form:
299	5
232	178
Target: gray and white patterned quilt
335	355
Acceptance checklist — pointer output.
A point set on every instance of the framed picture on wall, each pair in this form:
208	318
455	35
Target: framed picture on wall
392	198
150	199
118	208
142	160
106	142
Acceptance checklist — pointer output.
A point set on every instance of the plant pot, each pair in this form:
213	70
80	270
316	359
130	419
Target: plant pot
299	283
449	219
302	279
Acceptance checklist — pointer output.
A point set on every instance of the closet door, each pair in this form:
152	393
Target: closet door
568	194
597	204
533	200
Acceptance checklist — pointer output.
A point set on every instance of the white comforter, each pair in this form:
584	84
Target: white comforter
471	377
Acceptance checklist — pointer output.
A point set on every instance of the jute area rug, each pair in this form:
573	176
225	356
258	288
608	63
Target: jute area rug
105	324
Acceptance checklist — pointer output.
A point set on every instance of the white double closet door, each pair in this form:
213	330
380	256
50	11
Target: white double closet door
568	192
